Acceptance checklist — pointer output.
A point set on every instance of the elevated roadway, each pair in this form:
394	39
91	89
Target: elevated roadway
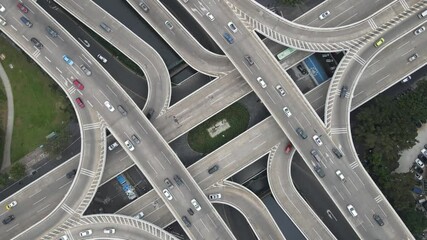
150	62
182	41
256	17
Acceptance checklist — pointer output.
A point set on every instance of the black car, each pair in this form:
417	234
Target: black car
186	221
337	152
178	180
190	211
9	219
301	69
122	110
422	158
378	219
168	183
37	43
72	174
213	169
150	113
418	170
319	171
301	133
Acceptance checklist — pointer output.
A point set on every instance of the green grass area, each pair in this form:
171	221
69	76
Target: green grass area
238	118
39	107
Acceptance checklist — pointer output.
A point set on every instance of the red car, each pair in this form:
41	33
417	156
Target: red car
288	148
78	84
22	7
80	102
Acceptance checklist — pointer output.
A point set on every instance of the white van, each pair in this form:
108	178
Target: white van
422	14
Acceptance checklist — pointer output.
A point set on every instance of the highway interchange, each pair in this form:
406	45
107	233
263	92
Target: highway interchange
95	117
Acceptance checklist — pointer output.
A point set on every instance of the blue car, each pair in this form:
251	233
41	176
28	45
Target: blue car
229	38
67	60
25	21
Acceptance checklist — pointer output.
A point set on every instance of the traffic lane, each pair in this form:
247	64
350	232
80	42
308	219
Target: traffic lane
251	207
241	158
341	13
308	186
290	201
160	156
134	84
125	228
381	69
37	197
159	92
327	142
206	62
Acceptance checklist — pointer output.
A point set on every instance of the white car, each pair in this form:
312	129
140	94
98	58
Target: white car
324	15
419	176
317	140
214	196
11	205
64	237
424	152
232	27
419	30
406	79
261	82
287	112
352	210
129	145
103	59
140	215
2	8
340	175
195	204
210	16
419	163
109	106
109	230
280	90
169	25
86	233
113	146
413	57
167	194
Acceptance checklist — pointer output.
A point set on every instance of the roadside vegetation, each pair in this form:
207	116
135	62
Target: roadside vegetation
291	2
200	140
383	128
40	106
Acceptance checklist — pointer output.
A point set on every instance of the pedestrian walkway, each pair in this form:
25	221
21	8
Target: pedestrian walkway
10	118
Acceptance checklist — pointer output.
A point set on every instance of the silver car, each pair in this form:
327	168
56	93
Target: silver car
419	30
413	57
324	15
86	70
86	233
352	211
214	196
261	82
129	145
280	90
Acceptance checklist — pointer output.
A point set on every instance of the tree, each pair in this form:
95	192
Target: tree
17	171
56	145
4	179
